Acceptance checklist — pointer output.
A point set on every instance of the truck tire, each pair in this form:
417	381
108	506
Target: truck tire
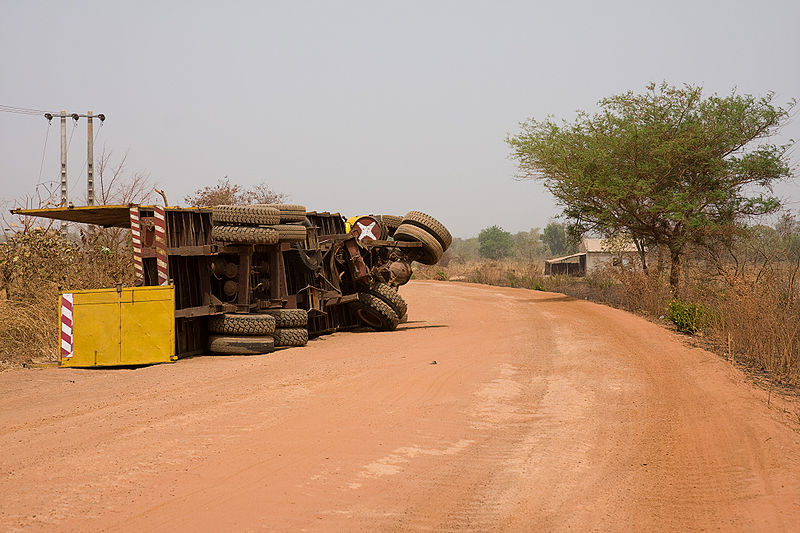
431	225
391	221
241	344
431	250
375	313
244	235
232	324
245	215
390	296
291	337
288	318
289	212
290	232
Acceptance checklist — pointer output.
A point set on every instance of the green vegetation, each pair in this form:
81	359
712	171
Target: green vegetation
666	168
689	318
495	243
557	241
531	245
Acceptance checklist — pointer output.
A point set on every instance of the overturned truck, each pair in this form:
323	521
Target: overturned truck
241	280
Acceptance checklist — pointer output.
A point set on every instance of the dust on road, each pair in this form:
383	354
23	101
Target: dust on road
541	413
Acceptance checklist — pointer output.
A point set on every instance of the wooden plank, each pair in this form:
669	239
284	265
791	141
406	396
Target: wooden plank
189	312
332	237
392	244
245	258
192	250
339	300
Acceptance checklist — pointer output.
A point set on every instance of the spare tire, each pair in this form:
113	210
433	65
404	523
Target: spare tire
244	235
245	215
241	344
288	318
431	225
233	324
391	222
431	250
289	212
290	232
390	296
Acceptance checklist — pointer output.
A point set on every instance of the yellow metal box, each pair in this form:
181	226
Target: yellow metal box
122	326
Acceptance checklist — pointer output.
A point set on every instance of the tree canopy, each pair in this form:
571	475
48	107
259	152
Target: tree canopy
666	167
495	243
556	238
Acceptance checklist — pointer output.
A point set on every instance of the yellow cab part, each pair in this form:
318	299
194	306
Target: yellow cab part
121	326
348	224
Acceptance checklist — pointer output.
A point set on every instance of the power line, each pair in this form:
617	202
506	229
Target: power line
23	110
74	127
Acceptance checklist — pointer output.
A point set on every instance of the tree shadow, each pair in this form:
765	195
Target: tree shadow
405	327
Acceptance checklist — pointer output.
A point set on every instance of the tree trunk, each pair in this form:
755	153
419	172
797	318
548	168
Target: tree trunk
676	256
642	254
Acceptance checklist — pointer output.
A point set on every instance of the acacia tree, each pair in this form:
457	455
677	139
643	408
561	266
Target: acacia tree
667	167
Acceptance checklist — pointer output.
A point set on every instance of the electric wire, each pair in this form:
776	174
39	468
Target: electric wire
24	110
74	126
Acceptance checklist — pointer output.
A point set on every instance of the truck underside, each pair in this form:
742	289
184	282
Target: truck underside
313	263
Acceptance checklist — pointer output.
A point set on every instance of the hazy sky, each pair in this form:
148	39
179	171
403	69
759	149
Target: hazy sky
360	106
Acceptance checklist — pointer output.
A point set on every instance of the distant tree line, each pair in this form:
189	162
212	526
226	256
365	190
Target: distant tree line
494	242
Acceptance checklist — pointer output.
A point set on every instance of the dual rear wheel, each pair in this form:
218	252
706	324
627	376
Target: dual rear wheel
257	333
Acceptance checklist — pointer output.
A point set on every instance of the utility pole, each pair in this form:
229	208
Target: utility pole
63	158
90	159
89	152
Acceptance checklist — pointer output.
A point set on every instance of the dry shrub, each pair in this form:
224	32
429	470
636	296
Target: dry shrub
757	322
29	329
35	264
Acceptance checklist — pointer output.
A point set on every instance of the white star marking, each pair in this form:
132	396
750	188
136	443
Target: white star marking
366	231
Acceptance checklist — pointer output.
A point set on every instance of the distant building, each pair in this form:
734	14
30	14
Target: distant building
593	255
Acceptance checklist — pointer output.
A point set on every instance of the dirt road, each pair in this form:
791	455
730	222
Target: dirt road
491	410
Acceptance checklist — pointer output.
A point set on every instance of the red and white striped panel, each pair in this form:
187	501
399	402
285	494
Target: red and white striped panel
161	245
136	237
66	325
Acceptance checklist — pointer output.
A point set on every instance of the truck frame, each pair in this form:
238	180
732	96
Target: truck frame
323	270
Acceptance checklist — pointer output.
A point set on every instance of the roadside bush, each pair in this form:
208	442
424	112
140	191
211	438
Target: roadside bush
35	264
689	318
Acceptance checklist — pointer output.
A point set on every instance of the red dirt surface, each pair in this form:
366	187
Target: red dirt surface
541	413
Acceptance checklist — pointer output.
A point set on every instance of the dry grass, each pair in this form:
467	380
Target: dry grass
35	263
29	329
757	323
